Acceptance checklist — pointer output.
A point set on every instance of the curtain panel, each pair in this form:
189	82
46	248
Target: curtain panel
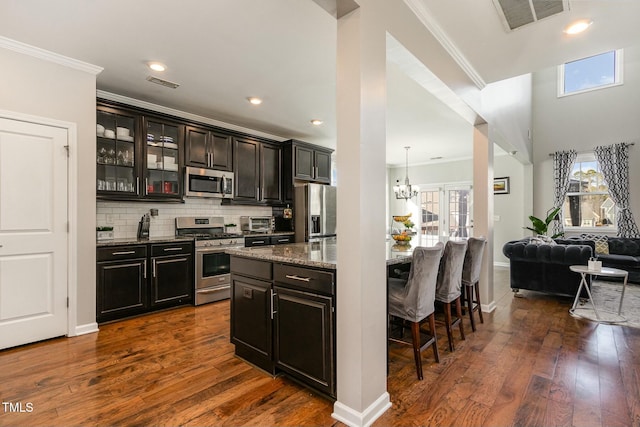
562	165
614	162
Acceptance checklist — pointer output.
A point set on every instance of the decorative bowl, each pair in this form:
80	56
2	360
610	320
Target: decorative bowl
401	218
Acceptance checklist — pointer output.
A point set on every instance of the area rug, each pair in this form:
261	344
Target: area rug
606	296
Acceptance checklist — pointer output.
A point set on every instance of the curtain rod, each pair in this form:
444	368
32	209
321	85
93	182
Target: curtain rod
629	144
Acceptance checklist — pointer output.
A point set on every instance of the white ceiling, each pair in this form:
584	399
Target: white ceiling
223	51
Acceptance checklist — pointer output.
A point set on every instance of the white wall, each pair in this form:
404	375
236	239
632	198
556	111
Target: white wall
512	209
582	122
41	88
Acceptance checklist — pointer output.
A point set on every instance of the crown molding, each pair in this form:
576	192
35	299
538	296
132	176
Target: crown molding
425	16
182	114
46	55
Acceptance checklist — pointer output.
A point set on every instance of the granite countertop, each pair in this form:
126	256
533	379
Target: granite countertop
317	254
136	241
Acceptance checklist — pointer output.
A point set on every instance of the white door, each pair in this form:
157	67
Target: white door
446	213
33	232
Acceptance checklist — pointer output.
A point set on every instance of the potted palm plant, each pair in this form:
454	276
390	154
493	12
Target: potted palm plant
541	227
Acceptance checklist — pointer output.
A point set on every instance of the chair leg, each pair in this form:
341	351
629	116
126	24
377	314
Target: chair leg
469	300
447	323
477	288
432	327
415	336
459	314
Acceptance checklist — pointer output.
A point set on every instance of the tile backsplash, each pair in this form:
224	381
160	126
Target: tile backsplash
124	216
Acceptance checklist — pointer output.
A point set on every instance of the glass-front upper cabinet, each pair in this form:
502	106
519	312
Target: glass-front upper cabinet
116	160
163	140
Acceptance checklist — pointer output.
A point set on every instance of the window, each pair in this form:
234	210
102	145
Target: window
594	72
587	203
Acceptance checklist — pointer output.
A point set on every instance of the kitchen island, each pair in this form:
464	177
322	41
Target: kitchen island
283	300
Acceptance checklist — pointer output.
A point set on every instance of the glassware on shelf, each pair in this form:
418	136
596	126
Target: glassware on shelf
102	154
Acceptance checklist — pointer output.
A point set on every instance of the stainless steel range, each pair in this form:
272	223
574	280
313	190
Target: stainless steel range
213	278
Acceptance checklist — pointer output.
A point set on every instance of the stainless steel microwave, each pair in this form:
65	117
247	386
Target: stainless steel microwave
199	182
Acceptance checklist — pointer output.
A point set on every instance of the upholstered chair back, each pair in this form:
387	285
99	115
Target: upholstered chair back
473	260
450	271
420	290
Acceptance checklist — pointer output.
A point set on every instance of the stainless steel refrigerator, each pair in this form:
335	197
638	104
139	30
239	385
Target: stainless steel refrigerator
314	212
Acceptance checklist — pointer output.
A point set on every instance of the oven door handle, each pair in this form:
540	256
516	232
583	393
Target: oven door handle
210	291
209	249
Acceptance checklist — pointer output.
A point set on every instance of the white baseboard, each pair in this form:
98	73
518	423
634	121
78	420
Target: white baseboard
488	308
89	328
350	417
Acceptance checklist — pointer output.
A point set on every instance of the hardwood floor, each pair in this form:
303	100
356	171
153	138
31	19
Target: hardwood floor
529	364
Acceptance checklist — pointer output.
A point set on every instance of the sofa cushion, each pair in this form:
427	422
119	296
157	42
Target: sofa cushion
624	246
601	241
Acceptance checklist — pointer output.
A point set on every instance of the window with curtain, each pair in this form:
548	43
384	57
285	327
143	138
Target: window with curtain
588	203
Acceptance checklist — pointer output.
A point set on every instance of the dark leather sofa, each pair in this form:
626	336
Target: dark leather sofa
545	268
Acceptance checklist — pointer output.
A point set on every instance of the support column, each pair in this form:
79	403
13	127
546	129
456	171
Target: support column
361	269
483	208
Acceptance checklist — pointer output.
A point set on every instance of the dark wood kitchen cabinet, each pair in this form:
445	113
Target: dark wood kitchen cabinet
252	311
171	274
283	320
138	155
304	162
121	282
206	148
304	337
258	173
139	278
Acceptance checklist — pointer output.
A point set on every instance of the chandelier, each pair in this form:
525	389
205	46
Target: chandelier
405	191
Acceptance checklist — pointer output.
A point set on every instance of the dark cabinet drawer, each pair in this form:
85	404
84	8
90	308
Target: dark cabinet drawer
280	240
116	253
168	249
257	241
251	268
305	279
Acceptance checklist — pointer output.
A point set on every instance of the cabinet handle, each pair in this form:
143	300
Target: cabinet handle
123	253
273	305
146	186
283	240
144	269
257	242
258	192
153	264
210	160
172	249
137	185
295	277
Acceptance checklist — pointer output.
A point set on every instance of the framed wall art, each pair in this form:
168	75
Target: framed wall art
501	185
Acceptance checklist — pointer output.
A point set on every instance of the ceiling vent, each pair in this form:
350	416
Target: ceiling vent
516	13
162	82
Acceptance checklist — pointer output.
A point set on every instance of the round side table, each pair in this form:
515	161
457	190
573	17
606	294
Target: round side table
604	272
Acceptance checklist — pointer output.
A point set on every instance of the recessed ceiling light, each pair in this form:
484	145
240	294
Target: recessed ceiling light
156	66
578	26
316	122
255	101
